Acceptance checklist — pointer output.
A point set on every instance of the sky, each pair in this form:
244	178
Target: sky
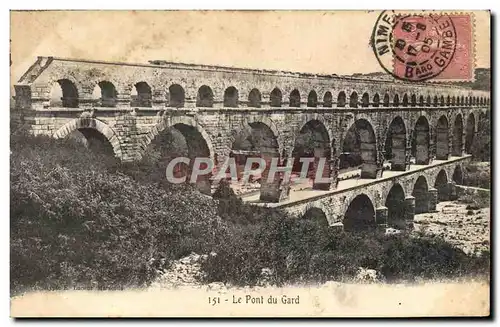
329	42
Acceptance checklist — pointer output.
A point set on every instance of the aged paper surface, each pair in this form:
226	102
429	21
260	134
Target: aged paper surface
394	103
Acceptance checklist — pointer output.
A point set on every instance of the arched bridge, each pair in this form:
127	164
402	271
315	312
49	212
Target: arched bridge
399	142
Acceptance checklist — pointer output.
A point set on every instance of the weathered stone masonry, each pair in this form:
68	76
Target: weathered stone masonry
136	102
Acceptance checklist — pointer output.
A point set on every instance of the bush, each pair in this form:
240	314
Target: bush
428	257
77	220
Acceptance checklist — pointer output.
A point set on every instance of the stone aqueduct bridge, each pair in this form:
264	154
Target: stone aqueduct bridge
220	110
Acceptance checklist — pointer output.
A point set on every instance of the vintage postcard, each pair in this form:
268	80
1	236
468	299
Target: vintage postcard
250	163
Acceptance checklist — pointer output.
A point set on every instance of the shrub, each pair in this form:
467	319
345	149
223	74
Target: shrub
477	175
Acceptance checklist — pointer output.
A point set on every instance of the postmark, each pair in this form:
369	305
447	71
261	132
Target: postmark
422	46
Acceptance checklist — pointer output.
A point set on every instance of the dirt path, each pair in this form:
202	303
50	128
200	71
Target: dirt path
468	229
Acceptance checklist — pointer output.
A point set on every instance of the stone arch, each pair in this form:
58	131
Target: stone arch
312	99
395	144
442	139
341	99
196	140
105	94
421	101
448	101
176	96
328	99
360	214
387	100
360	148
268	123
395	203
254	98
483	120
295	98
405	100
453	101
413	100
64	93
428	103
365	100
205	97
395	102
316	214
376	100
469	133
421	194
276	97
458	131
92	124
441	101
458	175
256	138
307	118
313	141
441	184
141	95
231	98
170	121
435	102
462	100
353	100
421	141
245	130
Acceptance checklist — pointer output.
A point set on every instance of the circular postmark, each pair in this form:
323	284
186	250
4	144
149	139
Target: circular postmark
414	47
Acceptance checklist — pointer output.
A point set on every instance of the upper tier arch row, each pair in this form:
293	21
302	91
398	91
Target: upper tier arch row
88	83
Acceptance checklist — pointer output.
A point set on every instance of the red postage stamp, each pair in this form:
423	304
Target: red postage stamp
425	46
